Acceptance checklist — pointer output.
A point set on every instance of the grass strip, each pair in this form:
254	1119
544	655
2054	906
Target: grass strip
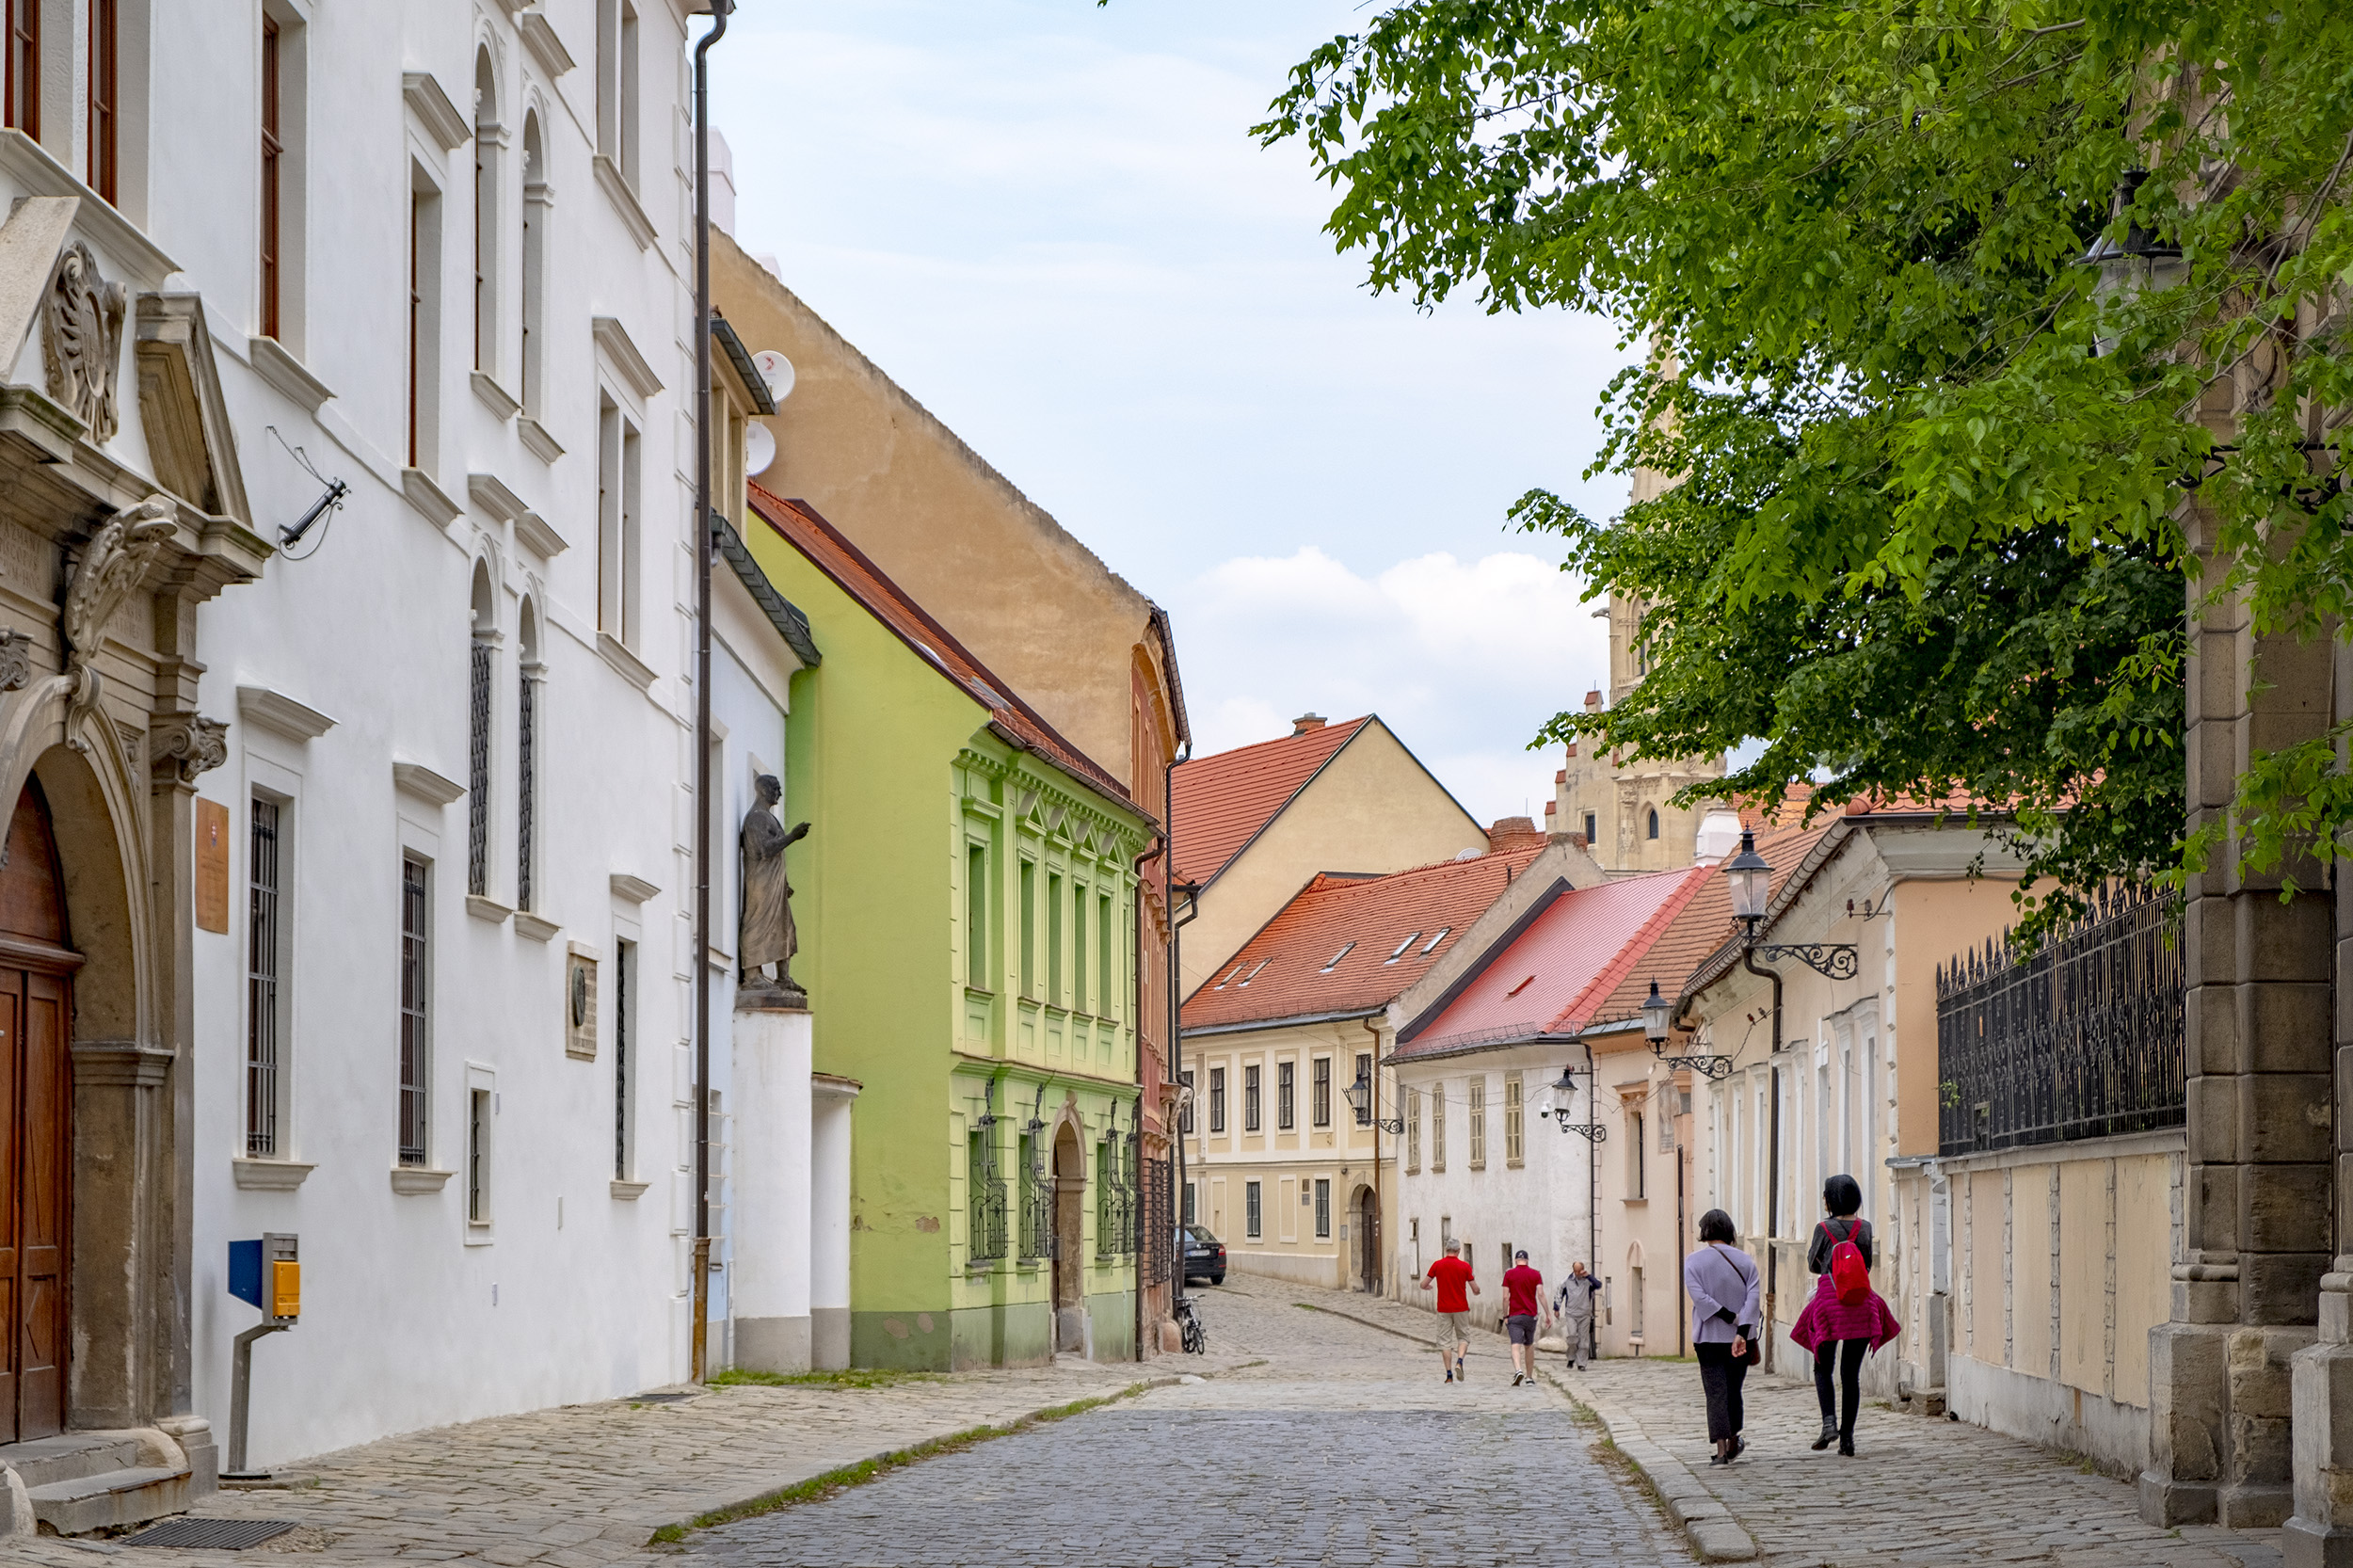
842	1477
855	1377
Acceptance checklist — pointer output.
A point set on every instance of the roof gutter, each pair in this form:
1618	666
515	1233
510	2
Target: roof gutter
1293	1022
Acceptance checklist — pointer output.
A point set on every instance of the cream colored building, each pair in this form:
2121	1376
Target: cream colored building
2026	1279
1253	823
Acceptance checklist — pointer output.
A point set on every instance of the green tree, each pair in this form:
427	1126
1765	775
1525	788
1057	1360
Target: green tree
1929	535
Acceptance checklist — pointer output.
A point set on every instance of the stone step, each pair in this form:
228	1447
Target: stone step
111	1497
44	1461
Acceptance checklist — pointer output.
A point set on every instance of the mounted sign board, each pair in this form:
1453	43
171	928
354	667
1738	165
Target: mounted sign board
212	865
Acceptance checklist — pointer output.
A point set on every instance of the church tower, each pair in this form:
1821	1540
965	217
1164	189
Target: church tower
1622	809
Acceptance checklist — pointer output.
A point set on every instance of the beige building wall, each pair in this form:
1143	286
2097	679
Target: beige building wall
1649	1206
1357	1161
1372	808
1037	606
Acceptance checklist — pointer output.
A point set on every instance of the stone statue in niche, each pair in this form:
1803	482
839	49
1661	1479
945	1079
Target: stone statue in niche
764	934
81	340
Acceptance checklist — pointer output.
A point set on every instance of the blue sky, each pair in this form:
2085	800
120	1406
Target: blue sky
1047	221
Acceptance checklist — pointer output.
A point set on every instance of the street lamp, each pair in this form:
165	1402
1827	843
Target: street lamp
1559	1095
1360	1100
1749	877
1658	1022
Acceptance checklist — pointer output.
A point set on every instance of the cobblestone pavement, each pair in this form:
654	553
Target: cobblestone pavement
586	1485
1920	1491
1345	1446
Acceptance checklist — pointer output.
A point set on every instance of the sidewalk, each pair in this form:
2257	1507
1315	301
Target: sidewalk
585	1486
1921	1490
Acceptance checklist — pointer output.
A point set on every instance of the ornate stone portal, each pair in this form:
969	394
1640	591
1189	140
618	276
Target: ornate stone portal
764	932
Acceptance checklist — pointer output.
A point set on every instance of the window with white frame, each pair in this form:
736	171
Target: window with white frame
416	994
617	523
1478	1109
489	147
1413	1129
1438	1127
481	679
264	1020
624	1053
425	320
531	320
1514	1120
617	87
1251	1215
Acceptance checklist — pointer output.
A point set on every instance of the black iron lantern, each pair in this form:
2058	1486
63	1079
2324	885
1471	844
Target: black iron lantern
1751	877
1657	1017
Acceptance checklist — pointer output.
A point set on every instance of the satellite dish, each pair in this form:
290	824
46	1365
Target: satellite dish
760	449
777	371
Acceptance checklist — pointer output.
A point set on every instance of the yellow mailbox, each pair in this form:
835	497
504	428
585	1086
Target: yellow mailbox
285	1288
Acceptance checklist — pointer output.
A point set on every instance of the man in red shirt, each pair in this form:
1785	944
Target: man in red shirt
1521	1284
1451	1274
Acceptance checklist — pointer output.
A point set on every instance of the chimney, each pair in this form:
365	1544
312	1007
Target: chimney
1306	722
1510	833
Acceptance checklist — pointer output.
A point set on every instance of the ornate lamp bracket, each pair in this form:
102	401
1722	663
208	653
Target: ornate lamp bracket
1834	960
1710	1067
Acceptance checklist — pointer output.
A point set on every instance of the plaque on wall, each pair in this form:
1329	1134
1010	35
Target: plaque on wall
212	865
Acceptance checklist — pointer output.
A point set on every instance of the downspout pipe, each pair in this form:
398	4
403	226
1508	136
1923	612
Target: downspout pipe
1159	844
1772	1155
705	546
1377	1254
1593	1189
1175	1021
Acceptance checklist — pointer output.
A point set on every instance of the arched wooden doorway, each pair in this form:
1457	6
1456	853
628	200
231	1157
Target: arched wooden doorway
1367	1241
1069	1234
36	965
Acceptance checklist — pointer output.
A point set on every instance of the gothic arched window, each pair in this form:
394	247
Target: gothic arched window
1653	822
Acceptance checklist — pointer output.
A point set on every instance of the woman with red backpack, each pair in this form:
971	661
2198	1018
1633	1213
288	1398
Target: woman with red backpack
1846	1319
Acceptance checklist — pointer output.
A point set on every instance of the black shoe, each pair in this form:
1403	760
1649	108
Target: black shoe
1719	1458
1517	1379
1830	1435
1739	1447
1846	1445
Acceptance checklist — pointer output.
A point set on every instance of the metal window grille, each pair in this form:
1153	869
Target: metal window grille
2081	1039
478	777
624	960
1037	1202
261	1002
477	1134
1319	1099
985	1197
1159	1233
526	786
1107	1216
415	991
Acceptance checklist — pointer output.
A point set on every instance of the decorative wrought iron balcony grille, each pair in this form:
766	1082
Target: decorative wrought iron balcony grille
2080	1039
1158	1259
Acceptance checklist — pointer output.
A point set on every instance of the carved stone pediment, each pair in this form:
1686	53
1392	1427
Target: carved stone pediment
81	340
16	661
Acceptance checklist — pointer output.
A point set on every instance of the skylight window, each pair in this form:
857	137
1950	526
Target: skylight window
1435	940
1402	947
1338	956
1514	990
1229	977
1262	970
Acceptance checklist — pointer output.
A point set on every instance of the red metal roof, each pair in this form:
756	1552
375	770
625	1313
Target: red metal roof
1218	804
1287	970
798	524
1554	977
1700	927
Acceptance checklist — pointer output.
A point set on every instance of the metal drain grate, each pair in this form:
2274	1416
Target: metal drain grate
658	1398
228	1535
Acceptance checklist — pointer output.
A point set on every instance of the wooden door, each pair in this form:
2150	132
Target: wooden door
36	1128
1369	1241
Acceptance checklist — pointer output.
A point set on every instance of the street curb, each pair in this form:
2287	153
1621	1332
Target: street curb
1716	1536
1422	1338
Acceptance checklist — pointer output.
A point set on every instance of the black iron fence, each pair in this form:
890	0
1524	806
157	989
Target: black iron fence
1159	1238
2080	1039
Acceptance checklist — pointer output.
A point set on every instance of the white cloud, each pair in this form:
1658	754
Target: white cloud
1463	659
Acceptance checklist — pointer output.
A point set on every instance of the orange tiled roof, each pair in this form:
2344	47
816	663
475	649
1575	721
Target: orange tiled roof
1217	804
798	524
1287	970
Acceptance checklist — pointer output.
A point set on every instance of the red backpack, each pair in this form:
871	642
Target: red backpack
1848	1275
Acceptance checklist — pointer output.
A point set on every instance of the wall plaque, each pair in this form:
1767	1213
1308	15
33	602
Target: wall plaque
212	865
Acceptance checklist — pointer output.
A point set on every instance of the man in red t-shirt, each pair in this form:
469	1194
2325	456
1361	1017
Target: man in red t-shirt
1451	1274
1521	1284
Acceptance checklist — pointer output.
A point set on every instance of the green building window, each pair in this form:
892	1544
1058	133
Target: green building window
976	915
1037	1198
1106	1201
1079	950
1029	928
1108	1005
1053	940
984	1199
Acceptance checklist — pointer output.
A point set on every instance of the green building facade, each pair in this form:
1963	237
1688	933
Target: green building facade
965	904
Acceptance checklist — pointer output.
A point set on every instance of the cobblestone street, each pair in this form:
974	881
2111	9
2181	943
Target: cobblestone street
1346	1447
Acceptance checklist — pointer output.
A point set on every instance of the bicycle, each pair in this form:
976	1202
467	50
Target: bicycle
1196	1338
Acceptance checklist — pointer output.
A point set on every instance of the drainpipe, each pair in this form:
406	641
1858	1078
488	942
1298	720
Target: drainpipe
1773	1158
704	543
1380	1209
1159	844
1176	1014
1593	1188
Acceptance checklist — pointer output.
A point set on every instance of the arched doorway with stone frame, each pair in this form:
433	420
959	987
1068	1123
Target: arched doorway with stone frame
1364	1236
1070	1301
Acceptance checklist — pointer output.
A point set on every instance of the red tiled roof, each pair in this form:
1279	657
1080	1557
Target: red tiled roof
1700	927
1281	972
1217	804
1554	977
799	526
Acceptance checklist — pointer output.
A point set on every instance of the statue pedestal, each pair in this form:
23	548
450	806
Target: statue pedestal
2320	1534
770	1182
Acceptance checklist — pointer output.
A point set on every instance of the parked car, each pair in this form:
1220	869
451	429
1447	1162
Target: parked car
1204	1255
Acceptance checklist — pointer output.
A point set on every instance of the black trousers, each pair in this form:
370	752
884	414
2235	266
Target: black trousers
1848	1355
1720	1376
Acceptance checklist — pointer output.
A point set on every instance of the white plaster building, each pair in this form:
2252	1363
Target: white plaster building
355	866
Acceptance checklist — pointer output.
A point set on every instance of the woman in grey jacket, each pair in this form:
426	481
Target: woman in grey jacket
1721	1282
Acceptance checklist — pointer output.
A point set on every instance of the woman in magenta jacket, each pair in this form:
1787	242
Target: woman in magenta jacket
1841	1332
